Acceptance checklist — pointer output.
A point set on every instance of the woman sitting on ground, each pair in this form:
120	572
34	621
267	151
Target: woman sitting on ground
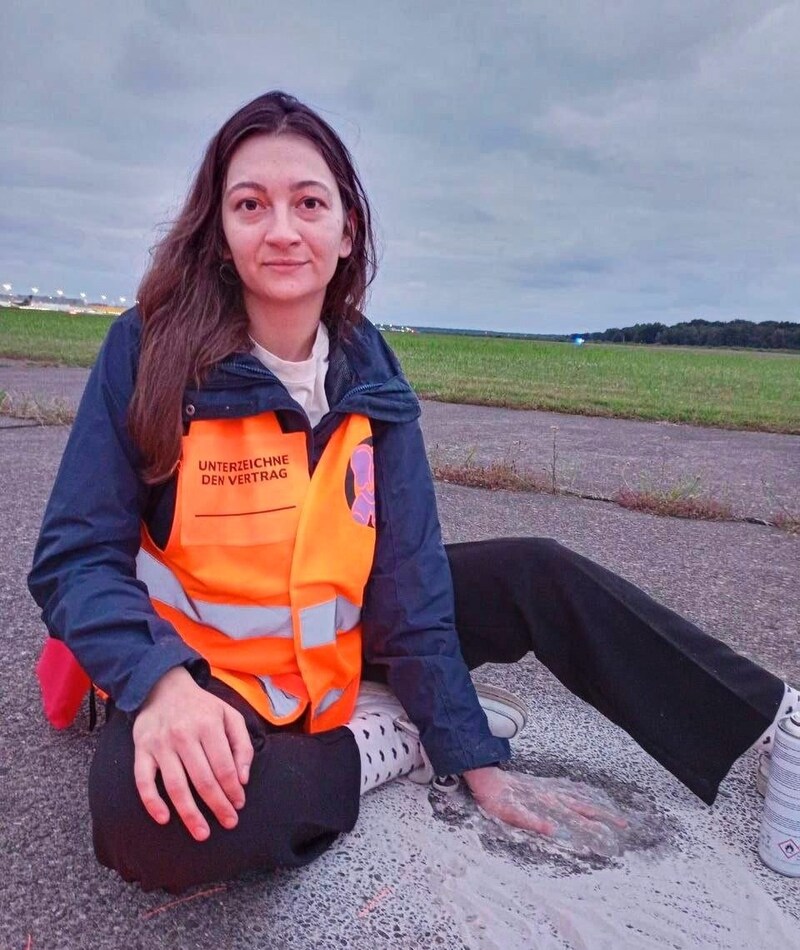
242	551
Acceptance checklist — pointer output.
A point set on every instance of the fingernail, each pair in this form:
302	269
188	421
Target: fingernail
201	833
230	822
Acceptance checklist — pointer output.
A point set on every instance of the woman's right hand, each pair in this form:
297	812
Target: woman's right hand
190	735
579	817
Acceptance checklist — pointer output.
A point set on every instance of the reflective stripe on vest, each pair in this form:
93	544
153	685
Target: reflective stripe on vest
283	703
265	568
236	621
318	624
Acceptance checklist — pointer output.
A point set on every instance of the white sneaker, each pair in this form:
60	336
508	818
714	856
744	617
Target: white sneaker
762	772
505	713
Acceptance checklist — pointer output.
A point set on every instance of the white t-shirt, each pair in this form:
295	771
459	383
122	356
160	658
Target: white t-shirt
304	380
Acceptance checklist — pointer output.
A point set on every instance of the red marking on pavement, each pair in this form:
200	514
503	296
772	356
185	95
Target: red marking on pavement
183	900
373	902
29	944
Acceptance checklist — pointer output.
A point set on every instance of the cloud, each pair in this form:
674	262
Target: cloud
531	165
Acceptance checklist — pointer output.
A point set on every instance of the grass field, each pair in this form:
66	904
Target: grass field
735	389
741	389
51	337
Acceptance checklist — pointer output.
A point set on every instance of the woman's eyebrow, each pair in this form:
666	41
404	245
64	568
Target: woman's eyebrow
297	186
253	185
310	183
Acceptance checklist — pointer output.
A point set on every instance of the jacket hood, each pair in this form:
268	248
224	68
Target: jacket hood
377	386
364	376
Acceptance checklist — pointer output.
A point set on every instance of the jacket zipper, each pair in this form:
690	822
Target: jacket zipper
268	374
262	371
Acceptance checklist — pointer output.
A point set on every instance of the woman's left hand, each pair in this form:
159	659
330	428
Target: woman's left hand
555	807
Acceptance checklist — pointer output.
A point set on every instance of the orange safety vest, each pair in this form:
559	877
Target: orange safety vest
265	567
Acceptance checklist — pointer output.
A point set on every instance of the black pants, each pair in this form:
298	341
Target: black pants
687	699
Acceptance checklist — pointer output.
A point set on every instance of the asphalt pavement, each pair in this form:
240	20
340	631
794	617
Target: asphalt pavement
421	870
757	474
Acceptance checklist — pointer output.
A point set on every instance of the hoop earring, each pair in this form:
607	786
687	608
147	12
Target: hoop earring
227	274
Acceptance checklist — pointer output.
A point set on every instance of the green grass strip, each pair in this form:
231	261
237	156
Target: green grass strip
47	336
738	389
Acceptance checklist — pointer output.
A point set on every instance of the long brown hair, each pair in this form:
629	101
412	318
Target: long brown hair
190	299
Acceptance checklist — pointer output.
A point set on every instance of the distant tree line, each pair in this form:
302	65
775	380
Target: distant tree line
770	334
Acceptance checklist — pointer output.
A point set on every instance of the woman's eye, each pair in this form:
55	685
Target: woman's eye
311	204
249	204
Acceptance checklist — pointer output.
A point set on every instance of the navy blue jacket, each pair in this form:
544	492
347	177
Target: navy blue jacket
83	574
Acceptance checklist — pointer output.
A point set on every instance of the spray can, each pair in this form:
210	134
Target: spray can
779	840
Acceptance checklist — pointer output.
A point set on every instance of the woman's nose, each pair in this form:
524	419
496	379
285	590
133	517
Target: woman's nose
282	227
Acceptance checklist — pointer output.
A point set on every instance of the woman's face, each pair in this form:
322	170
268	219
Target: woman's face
284	224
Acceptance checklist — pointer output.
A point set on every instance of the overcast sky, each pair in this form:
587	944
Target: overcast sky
537	166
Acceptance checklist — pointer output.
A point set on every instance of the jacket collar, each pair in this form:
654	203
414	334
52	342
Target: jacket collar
364	376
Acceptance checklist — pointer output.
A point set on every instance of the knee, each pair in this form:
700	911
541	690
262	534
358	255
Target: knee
303	792
121	835
541	547
503	566
533	555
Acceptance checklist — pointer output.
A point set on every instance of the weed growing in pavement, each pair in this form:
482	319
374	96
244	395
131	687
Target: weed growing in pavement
554	460
661	494
679	499
505	474
787	521
664	494
675	505
494	476
45	411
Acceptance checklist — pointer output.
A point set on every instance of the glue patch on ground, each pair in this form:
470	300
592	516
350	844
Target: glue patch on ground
510	890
